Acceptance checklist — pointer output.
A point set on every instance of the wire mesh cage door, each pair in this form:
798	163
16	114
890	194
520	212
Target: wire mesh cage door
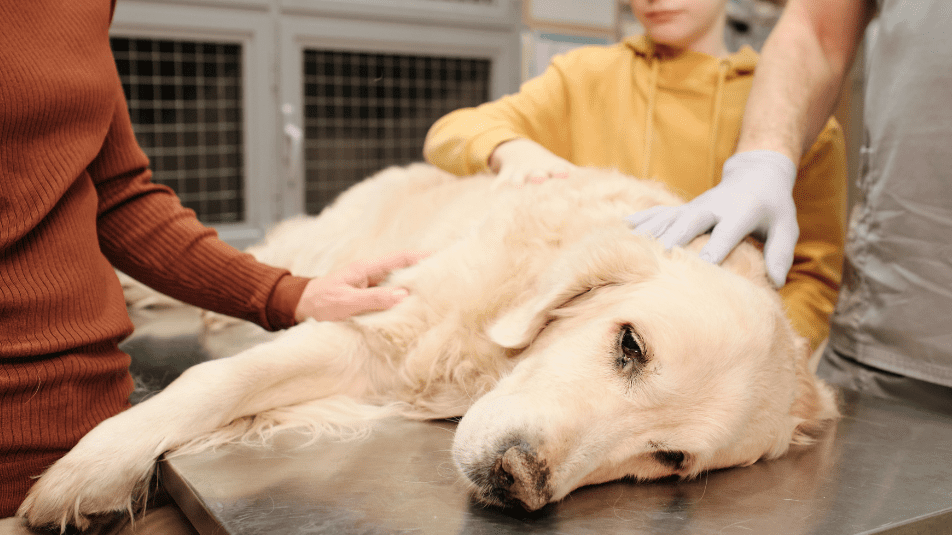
186	105
365	111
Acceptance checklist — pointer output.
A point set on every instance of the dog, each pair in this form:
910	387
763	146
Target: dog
575	351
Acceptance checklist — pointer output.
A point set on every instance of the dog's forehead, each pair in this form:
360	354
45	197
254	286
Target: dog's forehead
686	311
698	293
686	320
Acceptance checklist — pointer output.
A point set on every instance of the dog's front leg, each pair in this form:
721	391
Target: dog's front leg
109	468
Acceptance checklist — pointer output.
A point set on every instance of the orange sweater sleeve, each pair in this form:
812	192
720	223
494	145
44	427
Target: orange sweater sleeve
146	232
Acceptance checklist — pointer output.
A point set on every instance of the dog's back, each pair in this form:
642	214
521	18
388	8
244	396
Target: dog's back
424	208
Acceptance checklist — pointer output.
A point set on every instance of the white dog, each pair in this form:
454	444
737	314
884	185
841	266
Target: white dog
576	352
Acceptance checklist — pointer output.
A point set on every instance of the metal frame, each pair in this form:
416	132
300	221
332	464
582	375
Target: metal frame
494	14
608	30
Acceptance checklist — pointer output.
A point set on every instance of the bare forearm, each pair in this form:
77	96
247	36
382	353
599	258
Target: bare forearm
800	74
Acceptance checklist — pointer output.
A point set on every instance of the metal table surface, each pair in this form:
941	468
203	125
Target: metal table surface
885	468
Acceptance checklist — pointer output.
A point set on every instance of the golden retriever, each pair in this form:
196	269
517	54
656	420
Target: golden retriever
575	351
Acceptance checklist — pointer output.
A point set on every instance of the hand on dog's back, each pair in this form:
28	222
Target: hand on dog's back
353	290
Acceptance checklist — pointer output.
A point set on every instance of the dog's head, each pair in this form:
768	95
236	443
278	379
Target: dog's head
639	363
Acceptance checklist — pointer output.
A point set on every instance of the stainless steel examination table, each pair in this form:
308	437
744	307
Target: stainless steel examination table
885	468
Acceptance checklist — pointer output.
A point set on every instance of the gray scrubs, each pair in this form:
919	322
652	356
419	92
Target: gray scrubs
894	313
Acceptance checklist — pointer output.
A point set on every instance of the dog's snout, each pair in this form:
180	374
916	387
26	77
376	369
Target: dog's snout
516	475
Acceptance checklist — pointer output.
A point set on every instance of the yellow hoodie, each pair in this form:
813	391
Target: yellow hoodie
671	118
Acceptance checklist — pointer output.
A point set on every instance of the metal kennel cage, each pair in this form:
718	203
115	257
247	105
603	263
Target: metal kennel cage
185	102
367	111
257	110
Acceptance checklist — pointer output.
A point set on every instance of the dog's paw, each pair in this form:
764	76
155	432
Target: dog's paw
106	473
71	494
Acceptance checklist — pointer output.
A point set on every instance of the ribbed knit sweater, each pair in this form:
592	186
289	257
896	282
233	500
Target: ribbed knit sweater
75	200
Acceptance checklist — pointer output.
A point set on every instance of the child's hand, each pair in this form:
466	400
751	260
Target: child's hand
519	161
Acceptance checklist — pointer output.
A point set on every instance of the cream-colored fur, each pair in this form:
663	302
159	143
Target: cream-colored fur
516	321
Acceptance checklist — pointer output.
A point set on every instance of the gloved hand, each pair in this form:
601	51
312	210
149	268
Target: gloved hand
521	160
754	196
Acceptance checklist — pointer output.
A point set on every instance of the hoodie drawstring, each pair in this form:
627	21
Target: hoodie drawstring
649	117
715	119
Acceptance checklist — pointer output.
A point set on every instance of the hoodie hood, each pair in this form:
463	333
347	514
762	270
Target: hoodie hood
680	70
744	61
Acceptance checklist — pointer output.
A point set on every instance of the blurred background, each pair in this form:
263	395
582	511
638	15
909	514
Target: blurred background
256	110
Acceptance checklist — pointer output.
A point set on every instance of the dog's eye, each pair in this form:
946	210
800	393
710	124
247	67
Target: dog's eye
632	350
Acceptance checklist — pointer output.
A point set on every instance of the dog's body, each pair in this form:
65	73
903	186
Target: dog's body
578	352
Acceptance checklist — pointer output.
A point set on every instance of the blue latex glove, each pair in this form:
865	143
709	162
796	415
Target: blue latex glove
755	196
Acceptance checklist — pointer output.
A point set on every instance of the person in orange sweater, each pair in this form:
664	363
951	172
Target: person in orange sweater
75	200
664	106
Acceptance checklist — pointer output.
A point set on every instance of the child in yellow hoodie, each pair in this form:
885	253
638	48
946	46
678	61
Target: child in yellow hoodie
666	106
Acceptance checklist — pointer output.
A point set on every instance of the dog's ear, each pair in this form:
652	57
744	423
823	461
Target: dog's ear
815	405
612	256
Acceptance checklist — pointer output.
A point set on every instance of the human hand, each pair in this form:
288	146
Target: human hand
521	160
754	196
352	291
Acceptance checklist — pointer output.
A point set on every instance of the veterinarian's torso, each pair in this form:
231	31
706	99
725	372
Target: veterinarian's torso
894	309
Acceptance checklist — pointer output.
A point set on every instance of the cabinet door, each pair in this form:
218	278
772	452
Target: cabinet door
197	82
360	95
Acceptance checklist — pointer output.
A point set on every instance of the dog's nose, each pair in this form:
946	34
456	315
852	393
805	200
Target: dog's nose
519	476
